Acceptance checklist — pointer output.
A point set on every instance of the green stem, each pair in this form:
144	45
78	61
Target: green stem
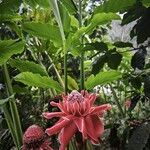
117	100
10	125
57	73
82	53
13	108
65	73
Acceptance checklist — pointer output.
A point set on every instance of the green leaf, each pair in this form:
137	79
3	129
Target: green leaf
54	6
9	6
101	19
122	44
114	60
10	17
65	17
43	30
69	4
35	3
146	3
102	78
114	6
9	48
28	66
99	46
37	80
72	84
98	64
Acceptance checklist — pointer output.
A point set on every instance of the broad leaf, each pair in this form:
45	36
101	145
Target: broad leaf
43	30
122	44
36	80
9	48
56	11
114	6
101	19
102	78
65	17
72	84
114	60
98	64
28	66
69	4
99	46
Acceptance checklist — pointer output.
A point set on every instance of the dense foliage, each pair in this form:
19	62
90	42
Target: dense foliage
50	47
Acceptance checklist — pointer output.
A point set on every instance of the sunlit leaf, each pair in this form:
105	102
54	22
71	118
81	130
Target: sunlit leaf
114	5
69	4
102	78
37	80
9	48
28	66
101	19
43	30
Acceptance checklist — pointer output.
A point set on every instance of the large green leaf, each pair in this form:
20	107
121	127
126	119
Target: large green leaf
8	48
101	19
102	78
69	4
37	80
65	17
28	66
72	84
99	63
114	60
114	6
56	11
43	30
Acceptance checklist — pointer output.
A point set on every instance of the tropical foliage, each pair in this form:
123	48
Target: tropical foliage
83	56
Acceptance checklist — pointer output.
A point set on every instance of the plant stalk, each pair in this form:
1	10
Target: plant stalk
13	108
57	73
82	75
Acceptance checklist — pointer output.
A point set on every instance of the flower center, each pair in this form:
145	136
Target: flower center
75	96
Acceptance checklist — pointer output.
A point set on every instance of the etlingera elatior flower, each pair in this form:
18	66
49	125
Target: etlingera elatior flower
34	138
78	113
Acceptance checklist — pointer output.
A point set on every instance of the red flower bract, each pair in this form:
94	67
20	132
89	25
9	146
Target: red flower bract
34	139
78	113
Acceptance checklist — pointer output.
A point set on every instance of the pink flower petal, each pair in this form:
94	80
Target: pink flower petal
66	135
92	99
94	126
48	115
80	123
57	127
100	109
59	105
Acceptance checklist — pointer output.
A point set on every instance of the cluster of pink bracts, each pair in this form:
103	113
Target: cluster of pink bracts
78	113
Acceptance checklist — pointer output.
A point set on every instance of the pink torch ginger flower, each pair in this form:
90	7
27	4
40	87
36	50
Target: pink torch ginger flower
78	113
34	139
